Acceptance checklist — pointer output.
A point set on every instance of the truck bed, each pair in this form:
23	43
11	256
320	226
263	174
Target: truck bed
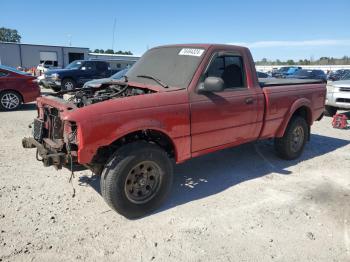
286	81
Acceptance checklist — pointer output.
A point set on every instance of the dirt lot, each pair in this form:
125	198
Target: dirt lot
241	204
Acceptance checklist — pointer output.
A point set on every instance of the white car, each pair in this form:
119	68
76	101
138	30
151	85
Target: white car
338	95
46	65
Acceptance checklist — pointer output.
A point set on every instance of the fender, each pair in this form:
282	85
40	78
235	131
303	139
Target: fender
181	145
302	102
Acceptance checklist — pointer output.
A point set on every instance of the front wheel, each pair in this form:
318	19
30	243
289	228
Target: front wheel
68	84
291	145
137	179
10	101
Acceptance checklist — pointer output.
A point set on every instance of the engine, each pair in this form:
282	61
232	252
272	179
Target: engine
91	95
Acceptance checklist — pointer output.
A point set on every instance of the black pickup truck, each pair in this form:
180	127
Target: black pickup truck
76	74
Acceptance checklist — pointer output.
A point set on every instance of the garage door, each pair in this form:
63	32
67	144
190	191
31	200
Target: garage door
48	56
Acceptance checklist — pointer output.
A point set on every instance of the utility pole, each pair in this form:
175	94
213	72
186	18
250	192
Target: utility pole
114	24
69	39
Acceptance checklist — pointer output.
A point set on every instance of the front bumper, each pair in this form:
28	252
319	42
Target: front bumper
48	156
50	83
338	99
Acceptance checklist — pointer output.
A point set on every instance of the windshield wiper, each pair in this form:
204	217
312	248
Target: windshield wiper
155	79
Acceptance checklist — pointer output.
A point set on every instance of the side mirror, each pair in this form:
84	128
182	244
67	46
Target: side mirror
212	84
83	68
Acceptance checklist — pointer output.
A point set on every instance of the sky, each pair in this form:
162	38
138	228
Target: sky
271	29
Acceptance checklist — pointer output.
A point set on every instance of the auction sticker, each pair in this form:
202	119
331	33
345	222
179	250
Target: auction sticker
191	51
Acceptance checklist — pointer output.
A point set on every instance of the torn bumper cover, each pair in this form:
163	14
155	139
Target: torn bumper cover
48	156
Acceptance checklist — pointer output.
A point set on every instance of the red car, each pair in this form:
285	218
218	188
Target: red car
16	88
177	102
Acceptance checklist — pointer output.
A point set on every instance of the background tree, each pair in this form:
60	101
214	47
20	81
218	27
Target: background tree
109	51
96	50
9	35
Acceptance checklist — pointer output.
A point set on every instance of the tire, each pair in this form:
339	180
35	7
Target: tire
10	100
134	168
330	111
291	145
68	84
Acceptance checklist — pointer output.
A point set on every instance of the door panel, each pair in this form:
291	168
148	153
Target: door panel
229	116
223	118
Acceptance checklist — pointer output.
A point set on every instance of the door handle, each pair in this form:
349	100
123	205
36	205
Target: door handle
249	100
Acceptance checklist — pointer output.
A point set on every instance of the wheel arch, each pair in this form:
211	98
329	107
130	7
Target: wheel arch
301	108
150	135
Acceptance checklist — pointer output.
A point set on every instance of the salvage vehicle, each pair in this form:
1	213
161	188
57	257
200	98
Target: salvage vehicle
338	95
16	88
76	74
176	103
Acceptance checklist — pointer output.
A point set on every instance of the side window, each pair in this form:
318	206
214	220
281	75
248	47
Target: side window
90	65
101	66
229	68
3	74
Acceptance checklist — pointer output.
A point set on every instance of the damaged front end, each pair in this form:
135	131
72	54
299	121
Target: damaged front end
54	139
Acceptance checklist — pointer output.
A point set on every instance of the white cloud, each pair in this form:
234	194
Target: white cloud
306	43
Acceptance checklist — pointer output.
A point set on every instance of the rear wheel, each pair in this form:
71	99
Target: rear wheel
10	100
330	110
291	145
137	179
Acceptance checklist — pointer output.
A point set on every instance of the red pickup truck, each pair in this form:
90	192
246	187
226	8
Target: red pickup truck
177	102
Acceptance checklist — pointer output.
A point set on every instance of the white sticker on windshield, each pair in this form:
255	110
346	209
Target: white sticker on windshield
191	51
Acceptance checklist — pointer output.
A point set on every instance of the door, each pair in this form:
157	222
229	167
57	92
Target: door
226	117
102	69
87	72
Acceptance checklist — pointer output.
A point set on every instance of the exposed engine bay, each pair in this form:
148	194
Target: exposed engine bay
90	95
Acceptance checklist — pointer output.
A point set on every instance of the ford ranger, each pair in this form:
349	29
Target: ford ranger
177	102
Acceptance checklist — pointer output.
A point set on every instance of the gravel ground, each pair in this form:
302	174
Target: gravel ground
240	204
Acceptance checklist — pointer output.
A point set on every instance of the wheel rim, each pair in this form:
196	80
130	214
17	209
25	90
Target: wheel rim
143	182
69	85
297	139
10	101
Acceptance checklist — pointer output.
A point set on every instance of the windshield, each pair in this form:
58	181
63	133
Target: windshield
14	70
120	74
346	76
174	66
74	65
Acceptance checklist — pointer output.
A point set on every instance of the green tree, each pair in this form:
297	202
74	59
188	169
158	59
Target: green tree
9	35
102	51
96	50
109	51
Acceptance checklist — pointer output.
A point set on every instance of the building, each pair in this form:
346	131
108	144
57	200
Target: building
28	55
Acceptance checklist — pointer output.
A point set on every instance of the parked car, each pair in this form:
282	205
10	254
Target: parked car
178	102
262	74
285	71
339	74
16	88
45	66
98	82
309	74
338	95
76	74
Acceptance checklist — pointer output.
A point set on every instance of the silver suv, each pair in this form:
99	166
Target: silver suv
338	95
